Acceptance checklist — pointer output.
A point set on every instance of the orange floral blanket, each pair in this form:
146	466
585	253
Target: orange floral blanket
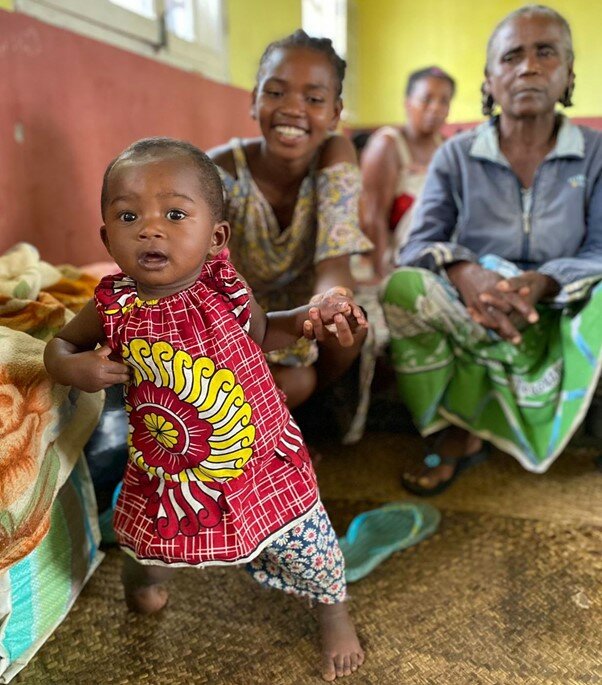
43	426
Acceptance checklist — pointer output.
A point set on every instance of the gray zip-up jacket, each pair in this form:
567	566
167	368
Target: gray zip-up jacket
473	204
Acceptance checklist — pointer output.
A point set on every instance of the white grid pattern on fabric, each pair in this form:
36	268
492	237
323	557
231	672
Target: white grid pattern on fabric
277	485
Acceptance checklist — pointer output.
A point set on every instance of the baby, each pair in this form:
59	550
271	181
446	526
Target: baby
218	472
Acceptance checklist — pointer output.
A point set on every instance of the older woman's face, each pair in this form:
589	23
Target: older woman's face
529	68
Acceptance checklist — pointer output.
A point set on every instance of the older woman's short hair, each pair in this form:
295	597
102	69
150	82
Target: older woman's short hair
529	11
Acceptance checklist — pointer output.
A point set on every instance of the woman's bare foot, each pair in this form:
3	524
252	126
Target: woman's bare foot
143	586
451	444
341	650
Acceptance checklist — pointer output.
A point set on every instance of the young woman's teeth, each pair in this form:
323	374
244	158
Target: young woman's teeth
290	131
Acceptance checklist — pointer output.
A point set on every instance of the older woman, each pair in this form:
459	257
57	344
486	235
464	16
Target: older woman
493	311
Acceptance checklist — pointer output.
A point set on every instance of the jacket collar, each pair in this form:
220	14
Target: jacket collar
569	142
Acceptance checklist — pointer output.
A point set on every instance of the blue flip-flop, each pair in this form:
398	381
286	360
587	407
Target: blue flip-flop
458	464
374	535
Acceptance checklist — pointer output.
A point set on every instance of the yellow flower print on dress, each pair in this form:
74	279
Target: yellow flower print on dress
189	421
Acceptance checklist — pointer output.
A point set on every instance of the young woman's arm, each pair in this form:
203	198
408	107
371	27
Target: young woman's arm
70	357
223	157
333	272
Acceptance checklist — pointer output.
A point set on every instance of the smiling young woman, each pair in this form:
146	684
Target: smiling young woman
292	200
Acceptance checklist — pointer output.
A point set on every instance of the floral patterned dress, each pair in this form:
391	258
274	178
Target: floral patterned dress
217	467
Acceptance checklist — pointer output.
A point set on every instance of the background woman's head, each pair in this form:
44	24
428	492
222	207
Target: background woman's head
428	95
529	58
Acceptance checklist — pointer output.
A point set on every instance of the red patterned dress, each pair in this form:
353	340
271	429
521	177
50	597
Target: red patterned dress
217	467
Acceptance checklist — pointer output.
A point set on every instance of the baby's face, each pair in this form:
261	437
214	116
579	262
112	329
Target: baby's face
158	226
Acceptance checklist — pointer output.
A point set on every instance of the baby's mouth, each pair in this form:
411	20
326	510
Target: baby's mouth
152	260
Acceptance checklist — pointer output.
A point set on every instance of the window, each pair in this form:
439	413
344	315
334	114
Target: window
337	20
327	20
144	7
186	33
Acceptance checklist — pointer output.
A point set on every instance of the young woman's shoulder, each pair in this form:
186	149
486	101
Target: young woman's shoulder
223	155
336	149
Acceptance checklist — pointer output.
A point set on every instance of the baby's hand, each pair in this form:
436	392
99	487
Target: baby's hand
94	370
335	313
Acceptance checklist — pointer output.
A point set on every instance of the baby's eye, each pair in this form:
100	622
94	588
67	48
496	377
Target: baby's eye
175	215
127	217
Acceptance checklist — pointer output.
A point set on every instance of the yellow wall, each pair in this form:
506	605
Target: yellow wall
251	26
6	4
395	37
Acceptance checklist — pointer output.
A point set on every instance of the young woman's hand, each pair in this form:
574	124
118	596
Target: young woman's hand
334	313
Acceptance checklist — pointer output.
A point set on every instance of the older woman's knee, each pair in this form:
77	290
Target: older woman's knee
404	285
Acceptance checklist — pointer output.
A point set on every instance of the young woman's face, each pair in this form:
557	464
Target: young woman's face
528	69
296	101
427	105
158	226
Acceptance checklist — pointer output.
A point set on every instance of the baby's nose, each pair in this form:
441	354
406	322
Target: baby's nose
150	229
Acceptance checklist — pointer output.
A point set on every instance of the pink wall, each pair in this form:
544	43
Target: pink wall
68	105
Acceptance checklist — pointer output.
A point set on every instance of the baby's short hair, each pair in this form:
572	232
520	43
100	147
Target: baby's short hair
210	181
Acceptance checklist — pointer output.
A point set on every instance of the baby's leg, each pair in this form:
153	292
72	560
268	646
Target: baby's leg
307	561
143	585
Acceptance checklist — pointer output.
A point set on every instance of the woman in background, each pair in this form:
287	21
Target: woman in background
395	161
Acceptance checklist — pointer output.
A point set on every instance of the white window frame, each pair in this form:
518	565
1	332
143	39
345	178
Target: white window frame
113	24
208	53
317	17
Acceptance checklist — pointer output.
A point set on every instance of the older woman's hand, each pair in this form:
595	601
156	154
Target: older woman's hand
502	305
510	305
471	280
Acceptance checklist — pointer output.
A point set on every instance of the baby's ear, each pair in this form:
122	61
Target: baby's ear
220	238
105	239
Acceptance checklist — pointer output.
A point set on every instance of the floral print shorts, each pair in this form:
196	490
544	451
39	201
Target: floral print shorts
305	561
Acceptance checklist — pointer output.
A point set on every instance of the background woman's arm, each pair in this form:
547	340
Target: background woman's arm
380	172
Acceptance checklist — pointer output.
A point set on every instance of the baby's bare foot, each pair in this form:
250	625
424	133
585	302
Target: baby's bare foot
146	600
145	592
341	650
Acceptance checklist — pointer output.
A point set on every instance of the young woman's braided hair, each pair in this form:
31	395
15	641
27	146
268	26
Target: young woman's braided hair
300	39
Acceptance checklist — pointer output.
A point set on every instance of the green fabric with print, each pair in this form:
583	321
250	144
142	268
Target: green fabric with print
528	399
